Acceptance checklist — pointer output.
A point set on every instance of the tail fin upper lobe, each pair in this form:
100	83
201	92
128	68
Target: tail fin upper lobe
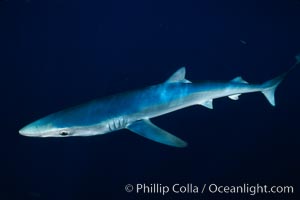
269	87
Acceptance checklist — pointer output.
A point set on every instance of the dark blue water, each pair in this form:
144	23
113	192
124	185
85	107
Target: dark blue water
55	54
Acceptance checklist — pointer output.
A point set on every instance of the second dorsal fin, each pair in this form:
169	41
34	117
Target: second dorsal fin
239	79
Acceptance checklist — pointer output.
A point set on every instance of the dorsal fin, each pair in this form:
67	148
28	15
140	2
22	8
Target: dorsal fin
239	79
178	76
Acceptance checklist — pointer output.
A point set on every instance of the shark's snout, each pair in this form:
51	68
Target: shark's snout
28	131
39	128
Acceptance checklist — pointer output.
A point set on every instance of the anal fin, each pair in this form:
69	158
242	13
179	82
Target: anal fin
234	97
148	130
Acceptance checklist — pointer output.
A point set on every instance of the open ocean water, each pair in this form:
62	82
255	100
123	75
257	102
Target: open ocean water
59	53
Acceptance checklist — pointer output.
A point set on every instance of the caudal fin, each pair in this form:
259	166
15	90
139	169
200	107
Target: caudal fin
270	88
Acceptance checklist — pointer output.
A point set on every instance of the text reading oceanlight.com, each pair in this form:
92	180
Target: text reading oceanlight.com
189	188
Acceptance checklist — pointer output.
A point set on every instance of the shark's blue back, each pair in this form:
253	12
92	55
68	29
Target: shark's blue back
150	100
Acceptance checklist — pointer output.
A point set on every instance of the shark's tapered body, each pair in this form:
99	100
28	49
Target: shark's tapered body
132	110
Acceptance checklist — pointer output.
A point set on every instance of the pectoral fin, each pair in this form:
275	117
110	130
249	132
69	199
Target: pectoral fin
148	130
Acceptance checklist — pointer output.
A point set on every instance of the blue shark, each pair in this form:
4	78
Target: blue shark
133	110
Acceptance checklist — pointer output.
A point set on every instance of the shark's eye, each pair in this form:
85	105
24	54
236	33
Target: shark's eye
64	133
